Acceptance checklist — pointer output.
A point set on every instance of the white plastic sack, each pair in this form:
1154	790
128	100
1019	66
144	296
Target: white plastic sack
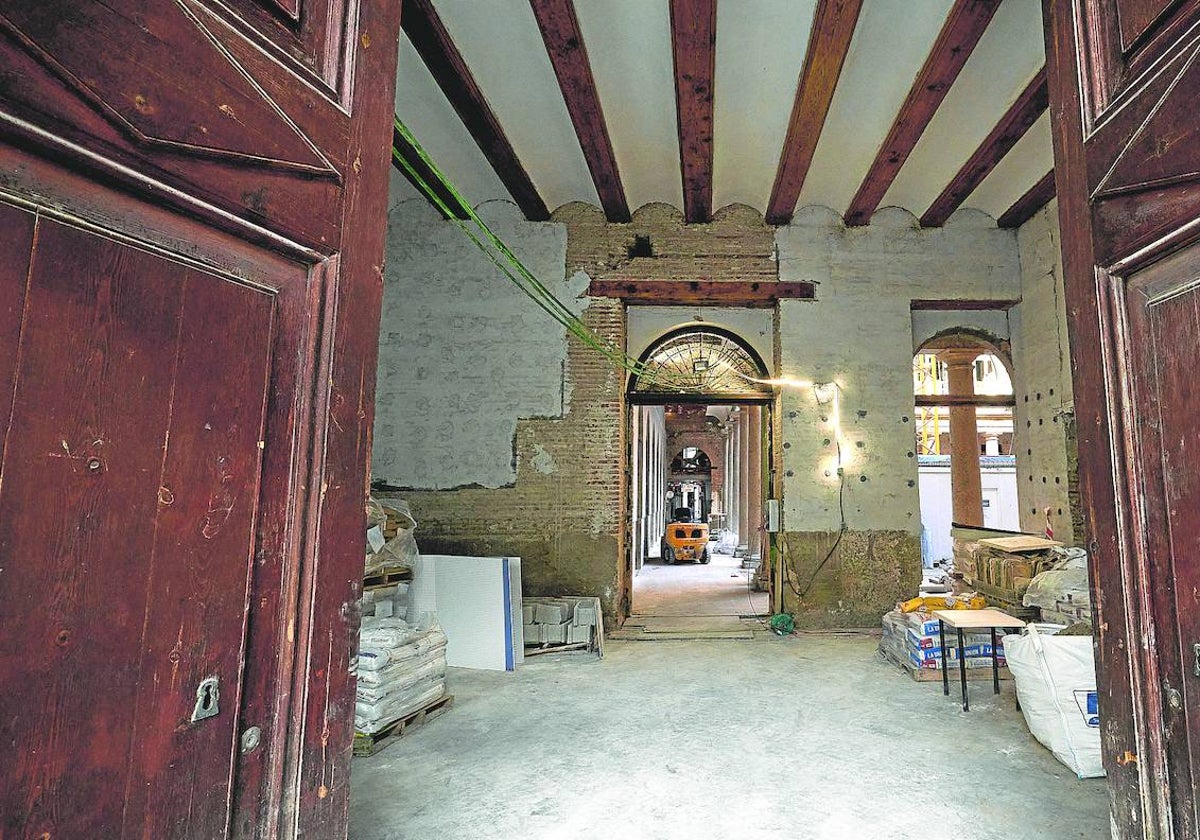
1055	678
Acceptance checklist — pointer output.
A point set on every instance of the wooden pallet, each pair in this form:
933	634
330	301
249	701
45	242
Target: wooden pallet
389	576
371	743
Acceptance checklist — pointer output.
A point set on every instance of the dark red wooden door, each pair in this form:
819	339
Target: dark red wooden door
193	202
1125	83
128	507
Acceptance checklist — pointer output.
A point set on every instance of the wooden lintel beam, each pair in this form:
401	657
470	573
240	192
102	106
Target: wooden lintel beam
428	34
828	43
1017	120
743	293
564	42
694	50
978	400
962	305
1023	208
405	150
964	26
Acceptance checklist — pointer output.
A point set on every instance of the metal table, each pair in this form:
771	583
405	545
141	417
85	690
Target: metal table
962	620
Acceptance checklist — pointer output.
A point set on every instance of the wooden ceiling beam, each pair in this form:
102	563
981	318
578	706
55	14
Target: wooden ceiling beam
742	293
568	55
960	33
977	400
1023	208
962	305
828	43
428	35
1017	120
694	50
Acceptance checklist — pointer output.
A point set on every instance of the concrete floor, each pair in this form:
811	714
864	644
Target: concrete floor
696	589
809	737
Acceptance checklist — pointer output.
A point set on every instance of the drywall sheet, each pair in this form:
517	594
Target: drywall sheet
477	599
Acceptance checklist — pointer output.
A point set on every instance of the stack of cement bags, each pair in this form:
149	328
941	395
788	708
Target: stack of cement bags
1061	592
401	669
913	641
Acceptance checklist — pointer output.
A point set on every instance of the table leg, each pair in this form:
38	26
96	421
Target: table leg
942	649
995	665
962	668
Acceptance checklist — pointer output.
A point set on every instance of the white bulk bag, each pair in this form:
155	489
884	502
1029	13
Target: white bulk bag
1055	678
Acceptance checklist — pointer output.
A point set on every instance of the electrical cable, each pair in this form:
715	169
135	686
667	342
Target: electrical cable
841	514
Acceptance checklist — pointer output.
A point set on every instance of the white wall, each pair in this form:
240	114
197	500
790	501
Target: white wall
999	488
1042	379
463	353
646	324
859	332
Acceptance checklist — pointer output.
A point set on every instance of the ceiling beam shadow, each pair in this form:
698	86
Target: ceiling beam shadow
429	36
964	26
828	43
1023	208
1017	120
568	54
694	50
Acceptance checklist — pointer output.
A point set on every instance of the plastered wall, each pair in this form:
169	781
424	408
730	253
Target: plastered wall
534	451
463	353
1044	440
859	333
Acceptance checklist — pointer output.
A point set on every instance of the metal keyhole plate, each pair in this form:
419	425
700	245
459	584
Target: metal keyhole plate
208	696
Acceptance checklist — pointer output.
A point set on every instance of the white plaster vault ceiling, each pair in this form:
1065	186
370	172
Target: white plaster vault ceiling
760	51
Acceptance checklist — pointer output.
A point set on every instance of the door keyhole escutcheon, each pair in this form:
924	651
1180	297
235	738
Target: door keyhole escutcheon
1196	654
208	695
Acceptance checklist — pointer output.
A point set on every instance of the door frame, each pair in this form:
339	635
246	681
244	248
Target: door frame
770	486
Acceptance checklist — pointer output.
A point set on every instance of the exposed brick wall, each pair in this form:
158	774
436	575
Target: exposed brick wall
563	515
736	245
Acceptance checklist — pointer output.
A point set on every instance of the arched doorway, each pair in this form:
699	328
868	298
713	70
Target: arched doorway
962	384
699	447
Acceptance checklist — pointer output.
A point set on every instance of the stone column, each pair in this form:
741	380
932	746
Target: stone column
743	476
965	483
754	483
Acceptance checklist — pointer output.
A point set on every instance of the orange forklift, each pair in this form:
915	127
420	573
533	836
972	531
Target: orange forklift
685	539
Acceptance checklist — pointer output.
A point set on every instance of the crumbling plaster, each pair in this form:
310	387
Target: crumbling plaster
550	489
464	353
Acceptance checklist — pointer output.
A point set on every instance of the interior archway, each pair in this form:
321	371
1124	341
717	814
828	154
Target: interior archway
699	412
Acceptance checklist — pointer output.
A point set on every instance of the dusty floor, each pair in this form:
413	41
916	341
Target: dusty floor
808	737
695	589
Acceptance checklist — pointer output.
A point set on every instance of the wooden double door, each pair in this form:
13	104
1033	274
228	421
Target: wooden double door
1125	82
193	200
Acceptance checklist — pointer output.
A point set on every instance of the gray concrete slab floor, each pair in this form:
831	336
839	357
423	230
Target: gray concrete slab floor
808	737
692	589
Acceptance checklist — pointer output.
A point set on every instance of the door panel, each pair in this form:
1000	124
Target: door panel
206	112
133	583
225	161
1164	334
1124	80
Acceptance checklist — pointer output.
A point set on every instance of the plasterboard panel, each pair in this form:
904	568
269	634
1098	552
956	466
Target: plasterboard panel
502	46
1006	59
759	58
423	108
889	46
1029	160
629	43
